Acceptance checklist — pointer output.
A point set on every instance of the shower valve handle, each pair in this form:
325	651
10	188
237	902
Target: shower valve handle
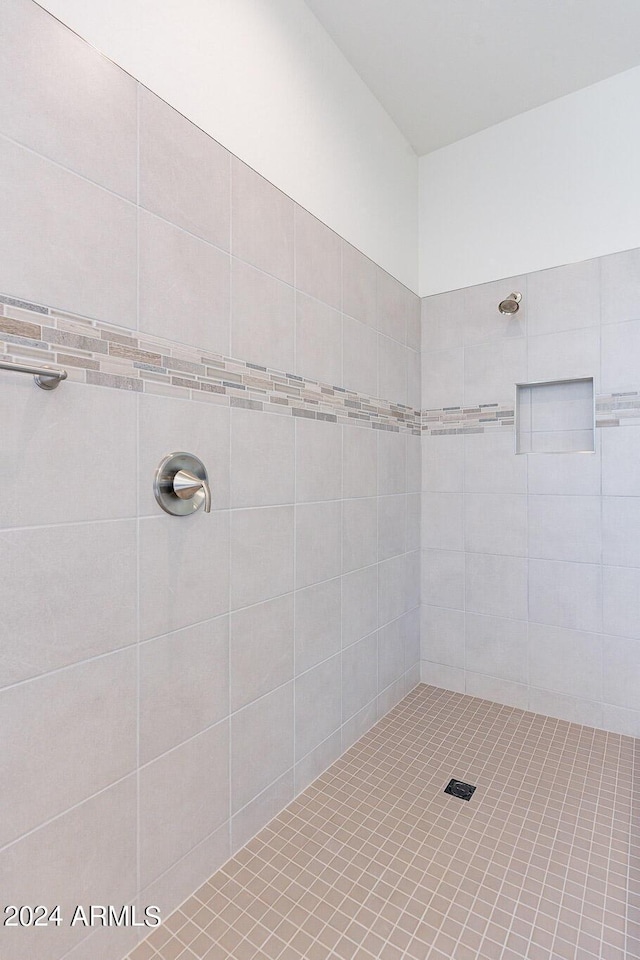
186	485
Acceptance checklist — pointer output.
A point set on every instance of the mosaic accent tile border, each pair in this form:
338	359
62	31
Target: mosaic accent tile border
103	354
612	410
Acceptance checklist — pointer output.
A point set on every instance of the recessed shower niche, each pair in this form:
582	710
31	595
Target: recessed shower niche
555	417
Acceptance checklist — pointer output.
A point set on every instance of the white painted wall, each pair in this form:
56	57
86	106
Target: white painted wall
551	186
265	79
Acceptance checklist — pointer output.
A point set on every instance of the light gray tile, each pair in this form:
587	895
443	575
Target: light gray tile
261	649
566	661
359	724
621	671
496	647
185	176
565	528
443	464
262	222
442	521
620	347
413	570
168	425
496	689
359	604
491	464
58	229
443	378
496	586
565	594
442	635
557	473
620	286
496	523
318	705
392	370
414	463
317	761
318	542
90	707
562	356
262	459
414	379
59	849
259	811
564	298
565	708
318	461
263	318
482	319
67	101
79	424
359	279
184	685
395	305
261	554
318	259
184	797
443	574
621	531
318	623
411	640
443	321
360	462
414	513
392	526
184	571
359	533
94	570
391	643
318	341
621	462
392	463
621	601
414	325
184	286
393	694
393	589
261	745
619	720
359	675
360	357
441	675
491	370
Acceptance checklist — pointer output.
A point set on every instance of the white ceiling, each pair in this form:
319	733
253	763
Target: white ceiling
444	69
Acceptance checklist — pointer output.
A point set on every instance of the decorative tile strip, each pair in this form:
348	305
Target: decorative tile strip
107	355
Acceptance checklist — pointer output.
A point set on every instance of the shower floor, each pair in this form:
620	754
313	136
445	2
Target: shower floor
374	860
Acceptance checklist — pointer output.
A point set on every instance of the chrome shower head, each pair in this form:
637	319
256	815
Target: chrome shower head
511	304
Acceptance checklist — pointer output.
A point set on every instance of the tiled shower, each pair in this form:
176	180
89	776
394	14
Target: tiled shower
169	686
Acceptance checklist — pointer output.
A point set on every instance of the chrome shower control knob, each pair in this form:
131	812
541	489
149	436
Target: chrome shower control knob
181	485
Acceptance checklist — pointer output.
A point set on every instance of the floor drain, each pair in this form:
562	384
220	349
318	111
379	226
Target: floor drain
464	791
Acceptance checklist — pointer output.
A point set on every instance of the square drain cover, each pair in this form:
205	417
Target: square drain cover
464	791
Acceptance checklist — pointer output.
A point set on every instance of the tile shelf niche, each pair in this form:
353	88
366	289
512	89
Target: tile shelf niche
557	416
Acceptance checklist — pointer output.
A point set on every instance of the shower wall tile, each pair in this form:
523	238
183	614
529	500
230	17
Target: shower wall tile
392	464
493	688
564	298
442	318
184	797
497	647
621	671
393	587
392	369
621	462
318	341
67	102
65	705
184	286
261	222
318	259
443	464
572	709
318	699
395	305
57	229
259	811
620	345
443	578
442	634
359	676
168	425
261	649
564	356
621	601
359	285
184	685
496	585
481	321
621	531
490	465
360	358
261	554
360	463
99	556
493	369
442	377
185	176
317	761
392	526
566	661
442	521
359	604
566	594
263	318
261	745
620	286
59	848
318	538
318	461
556	473
565	528
76	419
184	571
262	459
318	623
495	523
391	643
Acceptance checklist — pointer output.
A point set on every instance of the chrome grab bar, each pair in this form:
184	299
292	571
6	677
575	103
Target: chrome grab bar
47	378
